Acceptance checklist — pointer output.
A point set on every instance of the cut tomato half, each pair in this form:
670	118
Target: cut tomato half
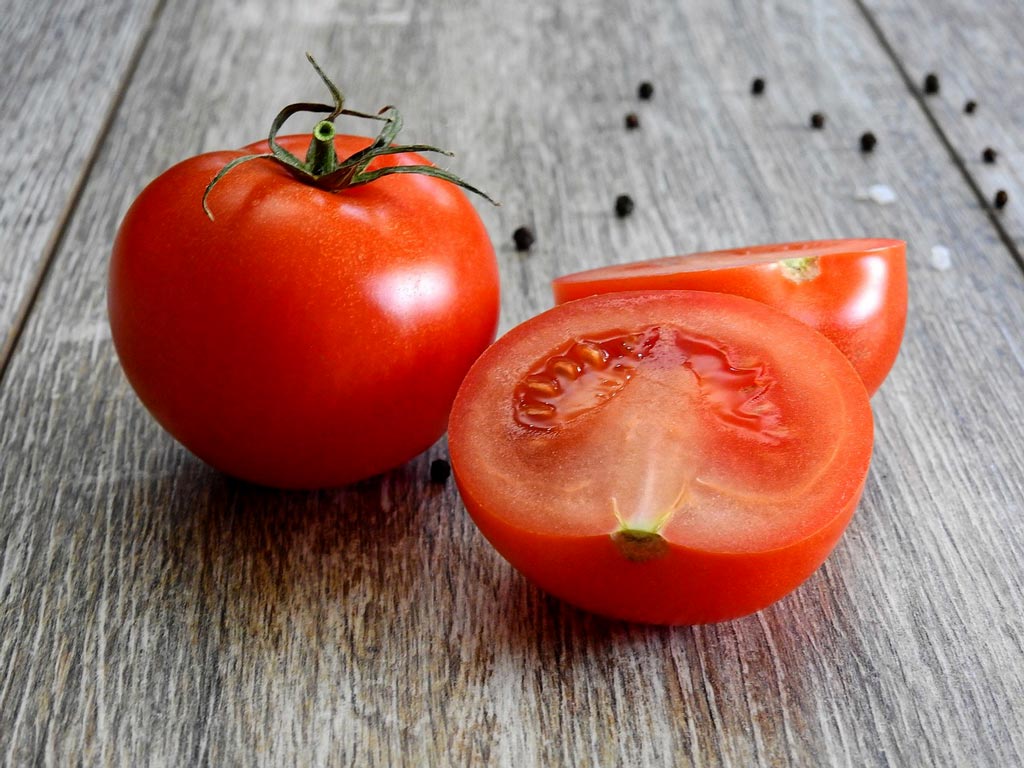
854	291
674	457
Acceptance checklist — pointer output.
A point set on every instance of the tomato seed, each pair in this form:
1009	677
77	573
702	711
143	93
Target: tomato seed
589	353
931	83
645	90
1001	199
523	238
537	414
632	121
543	386
624	206
817	120
440	471
989	155
867	141
567	368
757	86
970	106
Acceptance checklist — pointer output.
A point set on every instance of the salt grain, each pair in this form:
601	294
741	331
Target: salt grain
882	194
941	259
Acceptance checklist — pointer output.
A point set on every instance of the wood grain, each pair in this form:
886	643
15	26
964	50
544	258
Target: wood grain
63	66
155	612
974	49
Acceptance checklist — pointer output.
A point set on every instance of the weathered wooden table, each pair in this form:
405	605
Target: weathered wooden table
155	612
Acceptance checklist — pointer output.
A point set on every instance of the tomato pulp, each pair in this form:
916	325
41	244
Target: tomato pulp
674	457
303	338
852	291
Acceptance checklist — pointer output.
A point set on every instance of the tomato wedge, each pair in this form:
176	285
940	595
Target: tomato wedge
852	291
672	457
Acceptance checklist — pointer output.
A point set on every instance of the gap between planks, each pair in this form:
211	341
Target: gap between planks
56	239
943	137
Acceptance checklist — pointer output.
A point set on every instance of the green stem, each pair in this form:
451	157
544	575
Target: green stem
320	157
322	168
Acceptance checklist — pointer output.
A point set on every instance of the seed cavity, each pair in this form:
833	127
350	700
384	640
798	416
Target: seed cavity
584	374
737	391
588	373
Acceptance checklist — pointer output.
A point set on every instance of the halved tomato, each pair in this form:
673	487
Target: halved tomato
852	291
674	457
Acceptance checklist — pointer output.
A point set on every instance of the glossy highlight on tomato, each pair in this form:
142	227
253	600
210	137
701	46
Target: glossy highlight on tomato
852	291
672	457
303	337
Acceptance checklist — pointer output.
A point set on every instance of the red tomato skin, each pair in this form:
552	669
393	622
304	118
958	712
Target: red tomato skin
686	586
858	301
303	338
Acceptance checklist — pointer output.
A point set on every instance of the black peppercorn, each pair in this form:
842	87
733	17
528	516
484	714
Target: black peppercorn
623	206
867	141
645	90
931	83
970	106
440	471
1001	199
632	121
817	121
757	86
523	238
989	155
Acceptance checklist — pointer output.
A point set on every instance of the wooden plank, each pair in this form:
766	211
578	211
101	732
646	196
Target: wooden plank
156	612
974	50
63	64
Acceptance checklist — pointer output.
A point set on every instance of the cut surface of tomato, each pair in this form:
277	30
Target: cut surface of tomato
852	291
668	457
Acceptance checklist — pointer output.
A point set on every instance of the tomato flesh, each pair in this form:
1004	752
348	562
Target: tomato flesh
668	457
852	291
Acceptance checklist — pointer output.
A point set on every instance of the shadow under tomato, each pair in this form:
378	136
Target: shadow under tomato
261	566
768	673
524	622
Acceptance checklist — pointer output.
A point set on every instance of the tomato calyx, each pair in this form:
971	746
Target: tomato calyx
639	546
639	539
321	167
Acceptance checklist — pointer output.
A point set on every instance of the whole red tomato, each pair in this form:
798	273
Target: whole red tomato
854	291
303	337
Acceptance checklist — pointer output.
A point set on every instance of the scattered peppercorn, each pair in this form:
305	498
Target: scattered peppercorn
931	83
989	155
867	141
632	121
970	106
645	90
1001	199
623	206
757	86
523	238
440	471
817	121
